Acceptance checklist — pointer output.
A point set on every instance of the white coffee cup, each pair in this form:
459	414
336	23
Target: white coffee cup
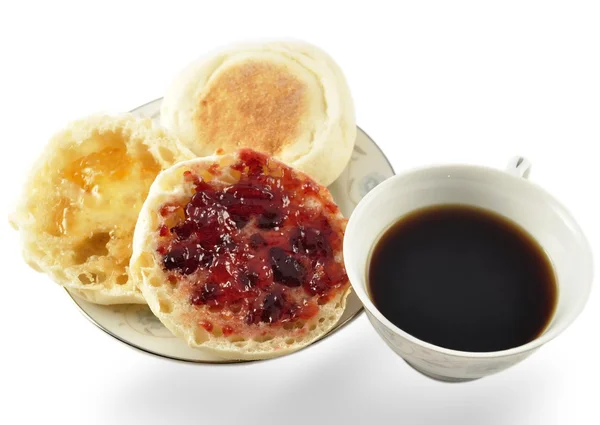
508	193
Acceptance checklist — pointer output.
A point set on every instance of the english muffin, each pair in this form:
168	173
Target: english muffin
241	255
81	202
289	100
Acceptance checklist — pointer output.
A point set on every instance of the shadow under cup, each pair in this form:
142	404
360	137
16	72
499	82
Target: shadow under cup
523	202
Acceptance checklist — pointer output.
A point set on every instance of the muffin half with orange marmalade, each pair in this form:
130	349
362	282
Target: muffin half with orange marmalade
81	202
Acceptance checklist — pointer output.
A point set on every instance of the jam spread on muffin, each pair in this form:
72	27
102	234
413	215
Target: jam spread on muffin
259	250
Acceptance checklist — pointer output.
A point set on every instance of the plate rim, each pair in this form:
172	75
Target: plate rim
229	362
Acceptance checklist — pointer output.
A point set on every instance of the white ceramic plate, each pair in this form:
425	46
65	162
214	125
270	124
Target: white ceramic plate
136	326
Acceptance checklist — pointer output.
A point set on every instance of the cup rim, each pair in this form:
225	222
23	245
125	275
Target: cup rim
359	288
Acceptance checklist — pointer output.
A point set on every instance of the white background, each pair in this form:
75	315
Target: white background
452	81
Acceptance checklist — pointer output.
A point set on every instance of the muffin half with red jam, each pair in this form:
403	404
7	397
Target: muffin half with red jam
241	255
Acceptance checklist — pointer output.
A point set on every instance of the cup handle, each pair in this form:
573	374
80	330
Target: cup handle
519	166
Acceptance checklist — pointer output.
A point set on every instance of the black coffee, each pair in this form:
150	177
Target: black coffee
463	278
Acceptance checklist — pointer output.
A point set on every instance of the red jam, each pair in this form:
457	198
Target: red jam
207	325
253	248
